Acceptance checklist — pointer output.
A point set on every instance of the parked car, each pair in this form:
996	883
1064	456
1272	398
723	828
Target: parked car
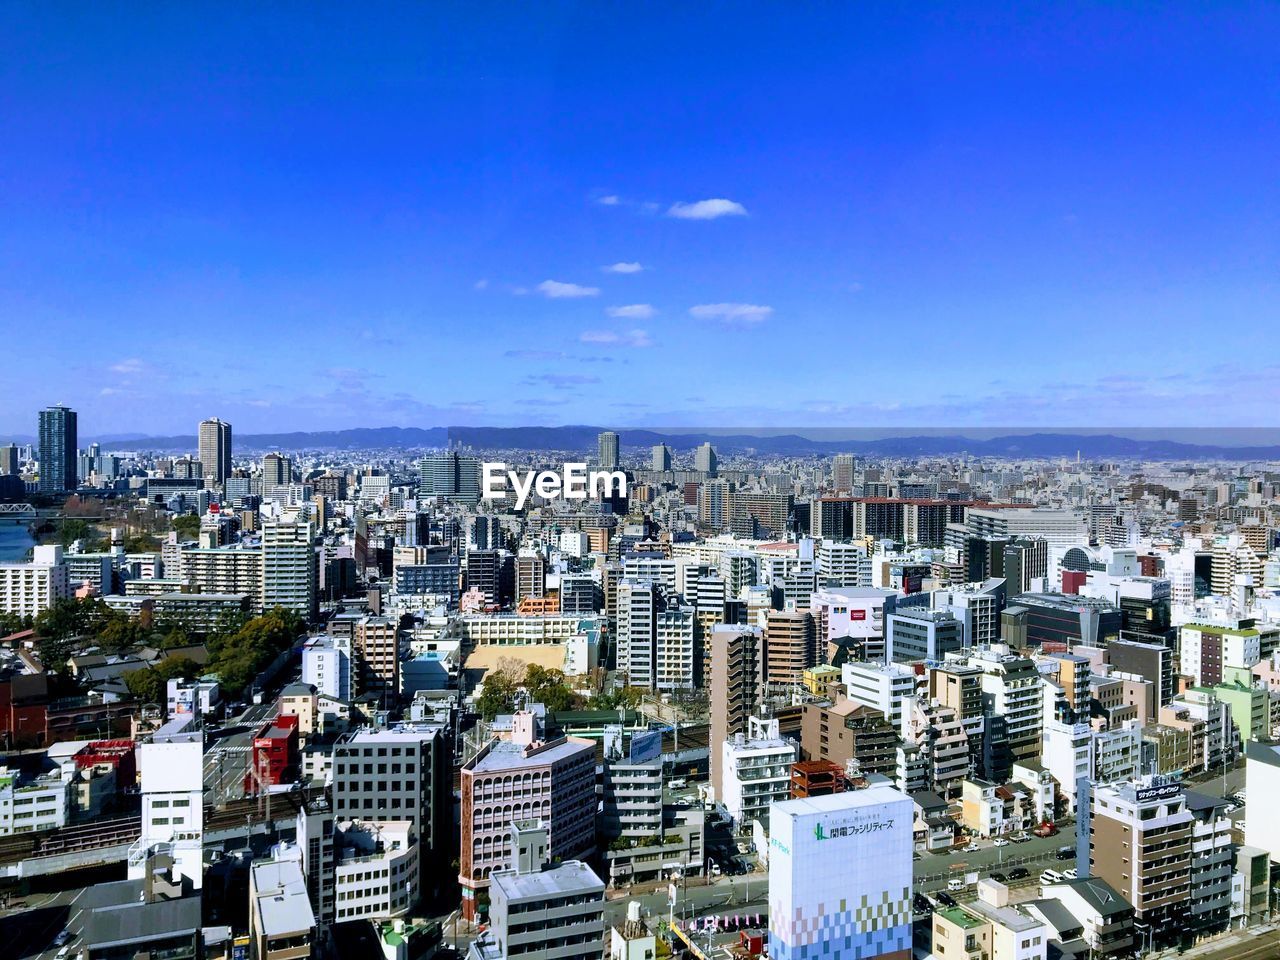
1065	853
1019	838
1050	876
1069	874
1001	842
999	877
947	900
1046	829
956	884
1019	873
921	904
971	848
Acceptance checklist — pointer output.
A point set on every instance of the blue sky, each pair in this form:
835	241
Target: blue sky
847	215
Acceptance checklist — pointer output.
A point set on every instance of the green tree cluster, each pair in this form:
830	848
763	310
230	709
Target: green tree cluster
187	525
540	685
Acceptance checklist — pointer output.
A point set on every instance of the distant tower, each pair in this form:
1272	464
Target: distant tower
704	459
661	458
608	450
215	450
277	470
842	472
58	449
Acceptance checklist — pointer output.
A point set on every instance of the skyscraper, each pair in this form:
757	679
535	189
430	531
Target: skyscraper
662	457
9	460
608	450
57	449
842	472
704	459
277	470
215	450
450	475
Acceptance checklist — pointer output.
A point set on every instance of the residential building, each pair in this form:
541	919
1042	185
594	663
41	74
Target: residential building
755	771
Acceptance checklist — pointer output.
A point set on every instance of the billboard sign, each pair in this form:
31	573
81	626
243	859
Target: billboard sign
646	746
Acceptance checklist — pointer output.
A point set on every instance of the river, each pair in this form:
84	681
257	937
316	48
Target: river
14	542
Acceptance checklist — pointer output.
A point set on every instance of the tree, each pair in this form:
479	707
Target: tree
499	695
240	656
187	525
149	684
548	688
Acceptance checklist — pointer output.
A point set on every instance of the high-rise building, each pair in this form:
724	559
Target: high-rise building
215	450
404	773
704	459
288	567
840	876
661	458
450	475
26	589
375	647
842	468
58	439
655	637
737	680
9	460
790	647
755	771
277	471
608	450
171	771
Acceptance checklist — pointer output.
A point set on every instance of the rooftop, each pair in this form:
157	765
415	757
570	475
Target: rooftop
281	900
572	876
960	917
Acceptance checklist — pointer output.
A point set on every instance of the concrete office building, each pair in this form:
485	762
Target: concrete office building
922	635
215	451
171	771
705	460
882	687
451	476
840	876
660	458
379	870
9	460
1061	528
519	779
401	773
539	911
58	448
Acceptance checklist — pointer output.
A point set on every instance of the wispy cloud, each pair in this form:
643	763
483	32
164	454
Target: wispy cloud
535	354
609	200
631	311
632	338
732	314
128	367
623	266
481	284
707	209
556	290
561	381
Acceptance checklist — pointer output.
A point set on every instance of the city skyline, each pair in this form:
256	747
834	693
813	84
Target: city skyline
634	223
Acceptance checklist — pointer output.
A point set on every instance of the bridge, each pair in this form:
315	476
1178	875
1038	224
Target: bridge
18	510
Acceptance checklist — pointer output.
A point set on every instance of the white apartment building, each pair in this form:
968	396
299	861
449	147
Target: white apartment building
375	870
288	567
883	687
843	564
40	804
171	768
326	665
509	629
26	589
756	771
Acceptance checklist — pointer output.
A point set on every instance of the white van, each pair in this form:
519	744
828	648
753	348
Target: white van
956	883
1050	876
677	784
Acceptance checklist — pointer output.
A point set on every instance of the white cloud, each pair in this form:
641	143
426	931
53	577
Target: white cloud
707	209
632	338
127	367
739	314
559	291
611	200
632	311
623	267
480	284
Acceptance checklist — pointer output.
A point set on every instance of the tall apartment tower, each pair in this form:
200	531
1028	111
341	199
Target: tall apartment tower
277	470
288	567
842	472
215	450
661	458
58	441
608	450
737	680
704	459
